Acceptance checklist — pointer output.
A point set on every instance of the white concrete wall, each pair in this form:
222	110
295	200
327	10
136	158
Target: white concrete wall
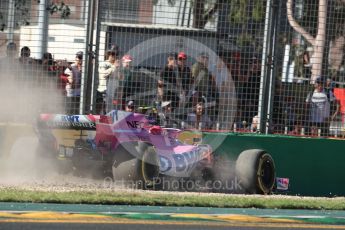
64	40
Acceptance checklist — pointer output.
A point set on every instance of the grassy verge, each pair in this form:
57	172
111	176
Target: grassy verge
171	199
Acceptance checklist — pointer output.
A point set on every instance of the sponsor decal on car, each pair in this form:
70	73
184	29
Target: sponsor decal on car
282	183
180	162
70	121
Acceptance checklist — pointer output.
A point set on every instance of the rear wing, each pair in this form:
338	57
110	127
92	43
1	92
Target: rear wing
63	121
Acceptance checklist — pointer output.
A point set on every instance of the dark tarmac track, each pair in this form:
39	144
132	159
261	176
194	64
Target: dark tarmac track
68	216
78	226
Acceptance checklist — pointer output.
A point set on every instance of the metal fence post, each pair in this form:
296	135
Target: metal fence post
85	100
96	57
264	84
10	21
43	27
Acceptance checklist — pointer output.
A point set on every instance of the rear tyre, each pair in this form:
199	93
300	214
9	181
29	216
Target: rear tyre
50	156
138	173
255	171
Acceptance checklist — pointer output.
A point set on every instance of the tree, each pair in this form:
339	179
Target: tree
203	10
332	35
240	12
202	14
244	10
317	42
22	12
61	8
336	31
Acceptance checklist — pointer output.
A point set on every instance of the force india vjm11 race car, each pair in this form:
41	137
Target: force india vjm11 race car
126	146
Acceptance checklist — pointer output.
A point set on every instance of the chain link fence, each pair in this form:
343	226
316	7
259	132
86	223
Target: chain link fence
241	66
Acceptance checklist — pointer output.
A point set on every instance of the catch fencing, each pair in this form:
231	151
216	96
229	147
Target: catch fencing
240	66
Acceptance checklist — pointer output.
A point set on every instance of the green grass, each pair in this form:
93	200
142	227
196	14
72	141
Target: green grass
170	199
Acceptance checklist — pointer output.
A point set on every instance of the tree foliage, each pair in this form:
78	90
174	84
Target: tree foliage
323	32
335	19
22	12
59	8
241	11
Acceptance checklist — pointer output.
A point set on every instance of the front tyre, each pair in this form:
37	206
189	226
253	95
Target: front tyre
139	173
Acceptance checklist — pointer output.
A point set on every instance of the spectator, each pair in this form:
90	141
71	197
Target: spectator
220	73
334	105
226	93
297	130
255	124
171	84
130	106
185	76
306	62
25	54
199	117
253	84
105	70
290	113
330	85
47	59
201	75
204	82
160	90
319	108
114	92
165	116
9	65
128	84
48	63
126	61
11	50
73	84
115	48
62	80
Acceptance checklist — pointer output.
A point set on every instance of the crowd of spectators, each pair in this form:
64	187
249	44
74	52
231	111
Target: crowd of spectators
179	93
190	96
45	73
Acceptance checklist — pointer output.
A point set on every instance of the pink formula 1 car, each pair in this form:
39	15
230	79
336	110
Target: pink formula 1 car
127	146
123	143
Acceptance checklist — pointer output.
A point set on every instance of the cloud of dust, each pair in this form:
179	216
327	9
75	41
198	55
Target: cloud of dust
25	92
224	171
